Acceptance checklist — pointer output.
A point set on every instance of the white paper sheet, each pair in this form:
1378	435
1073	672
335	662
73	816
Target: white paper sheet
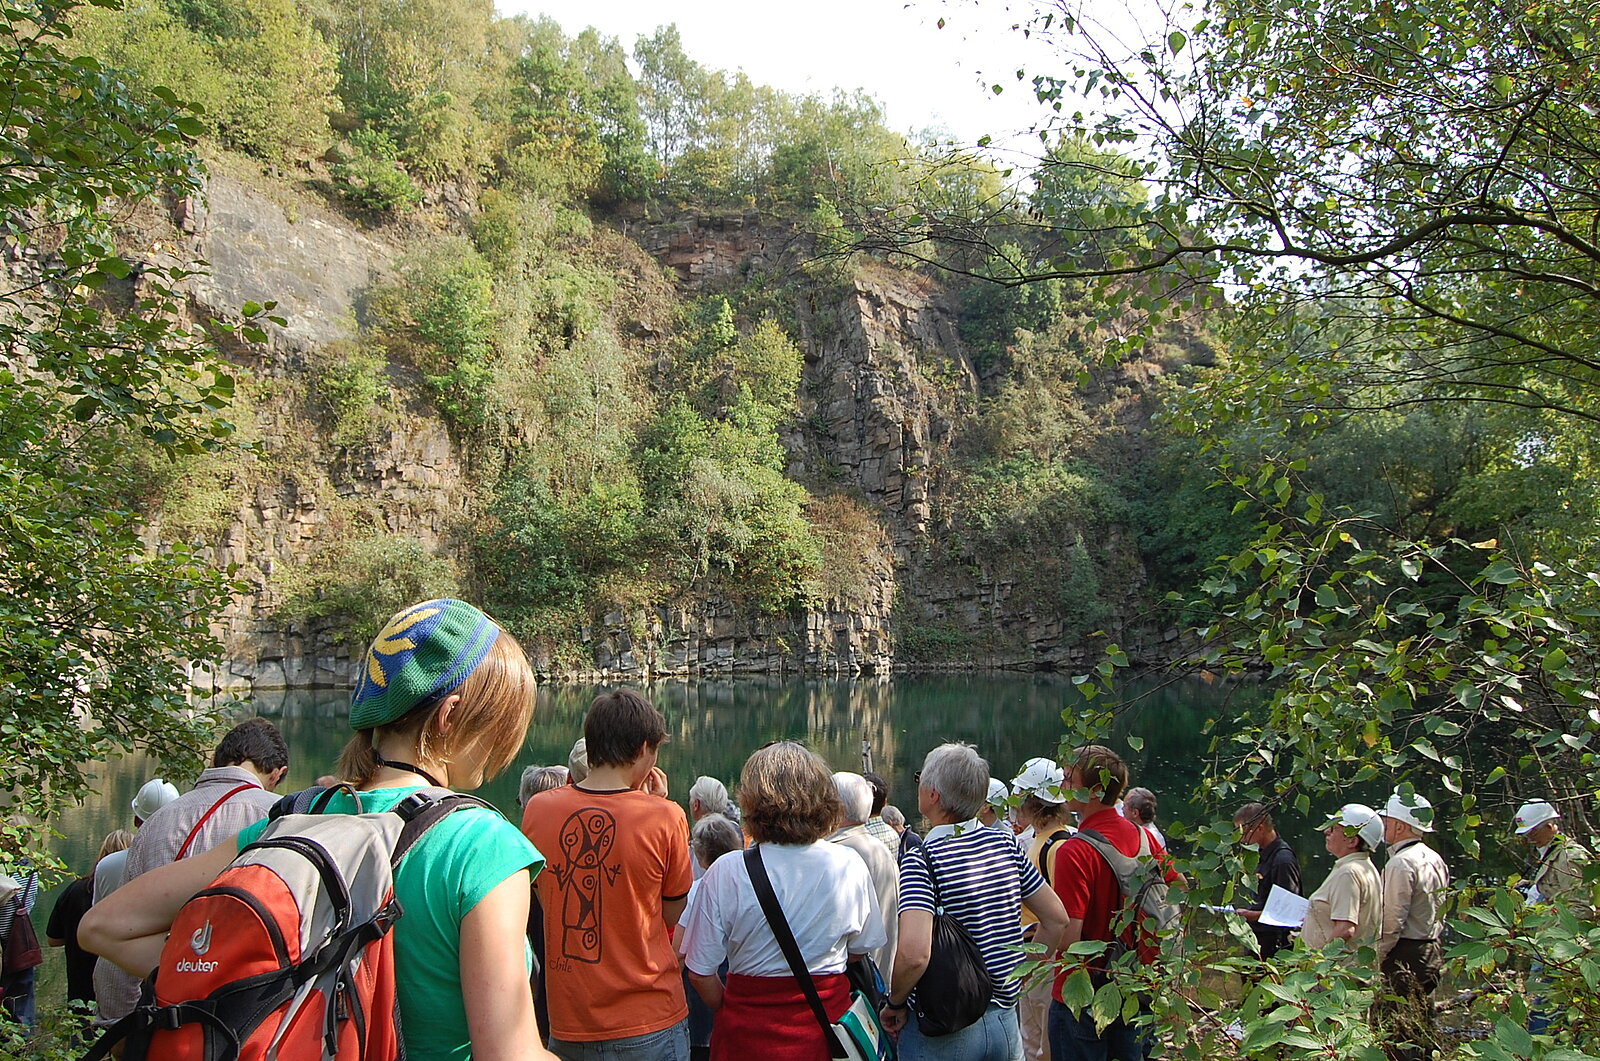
1284	909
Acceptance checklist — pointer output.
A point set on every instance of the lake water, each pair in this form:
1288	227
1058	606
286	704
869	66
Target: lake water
714	725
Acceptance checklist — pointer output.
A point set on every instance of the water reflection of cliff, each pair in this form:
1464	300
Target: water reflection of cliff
714	725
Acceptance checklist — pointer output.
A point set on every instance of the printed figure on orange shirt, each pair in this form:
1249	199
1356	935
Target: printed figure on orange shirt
586	840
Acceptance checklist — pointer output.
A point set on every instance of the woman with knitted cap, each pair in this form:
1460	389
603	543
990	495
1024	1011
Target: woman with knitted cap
443	701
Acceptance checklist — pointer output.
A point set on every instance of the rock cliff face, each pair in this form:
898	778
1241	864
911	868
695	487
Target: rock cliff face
886	383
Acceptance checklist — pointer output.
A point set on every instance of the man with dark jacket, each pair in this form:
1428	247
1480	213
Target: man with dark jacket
1275	864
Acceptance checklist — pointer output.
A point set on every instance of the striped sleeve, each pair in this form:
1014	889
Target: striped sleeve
1029	879
916	889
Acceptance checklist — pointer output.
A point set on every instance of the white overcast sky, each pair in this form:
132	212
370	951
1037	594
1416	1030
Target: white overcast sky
925	76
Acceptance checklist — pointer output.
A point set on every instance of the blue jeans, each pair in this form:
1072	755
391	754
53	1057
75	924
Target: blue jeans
668	1044
1075	1038
1538	1016
993	1037
18	989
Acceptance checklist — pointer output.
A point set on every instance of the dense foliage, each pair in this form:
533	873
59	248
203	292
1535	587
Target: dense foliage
97	630
1396	205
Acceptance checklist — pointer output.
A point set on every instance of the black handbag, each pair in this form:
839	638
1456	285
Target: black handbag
955	988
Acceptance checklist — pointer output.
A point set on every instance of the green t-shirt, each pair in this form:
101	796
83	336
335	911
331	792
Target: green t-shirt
461	859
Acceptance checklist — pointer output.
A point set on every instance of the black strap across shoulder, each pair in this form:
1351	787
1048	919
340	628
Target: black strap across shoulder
1050	844
786	943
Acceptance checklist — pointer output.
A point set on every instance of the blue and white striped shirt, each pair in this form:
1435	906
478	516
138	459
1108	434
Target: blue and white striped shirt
983	877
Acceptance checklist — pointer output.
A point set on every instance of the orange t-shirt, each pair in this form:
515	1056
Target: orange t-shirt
612	858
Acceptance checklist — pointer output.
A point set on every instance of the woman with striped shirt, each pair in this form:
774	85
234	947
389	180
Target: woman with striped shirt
980	876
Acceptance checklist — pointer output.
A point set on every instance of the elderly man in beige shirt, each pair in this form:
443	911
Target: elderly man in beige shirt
1415	882
1348	904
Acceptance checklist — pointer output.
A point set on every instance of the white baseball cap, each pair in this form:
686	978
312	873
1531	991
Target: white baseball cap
1042	778
1363	819
155	794
1533	814
998	792
1406	809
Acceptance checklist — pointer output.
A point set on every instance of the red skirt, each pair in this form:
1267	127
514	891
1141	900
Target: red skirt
768	1017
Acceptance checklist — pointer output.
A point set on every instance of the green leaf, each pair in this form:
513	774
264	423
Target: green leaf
1077	991
1514	1037
1107	1005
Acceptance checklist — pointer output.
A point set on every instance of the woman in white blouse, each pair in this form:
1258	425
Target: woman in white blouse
790	806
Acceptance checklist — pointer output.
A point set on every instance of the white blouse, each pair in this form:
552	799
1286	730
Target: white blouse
825	892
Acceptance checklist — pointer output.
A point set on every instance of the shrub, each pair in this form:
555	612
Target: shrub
374	178
853	547
352	587
351	383
441	317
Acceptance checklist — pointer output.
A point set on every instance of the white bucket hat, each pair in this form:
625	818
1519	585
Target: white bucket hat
155	794
1406	808
998	792
1042	778
1363	819
1533	814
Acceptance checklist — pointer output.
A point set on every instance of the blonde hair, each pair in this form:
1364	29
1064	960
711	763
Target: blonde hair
495	708
116	840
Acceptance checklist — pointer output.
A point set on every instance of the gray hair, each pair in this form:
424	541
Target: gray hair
712	794
537	779
893	818
714	836
855	792
1140	803
961	777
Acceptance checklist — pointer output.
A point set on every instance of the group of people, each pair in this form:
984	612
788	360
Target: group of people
612	924
1398	912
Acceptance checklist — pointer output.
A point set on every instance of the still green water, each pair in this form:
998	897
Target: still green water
714	725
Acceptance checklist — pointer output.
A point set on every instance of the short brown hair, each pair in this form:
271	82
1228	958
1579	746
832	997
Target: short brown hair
787	796
1252	814
618	724
1098	765
255	740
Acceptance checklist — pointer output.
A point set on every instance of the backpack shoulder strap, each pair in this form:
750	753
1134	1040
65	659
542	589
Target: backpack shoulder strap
933	878
1050	845
424	809
1126	869
307	801
188	841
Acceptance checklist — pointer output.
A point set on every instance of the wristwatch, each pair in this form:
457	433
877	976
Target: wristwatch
889	1003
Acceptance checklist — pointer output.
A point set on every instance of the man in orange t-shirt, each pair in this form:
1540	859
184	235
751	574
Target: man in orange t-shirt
617	874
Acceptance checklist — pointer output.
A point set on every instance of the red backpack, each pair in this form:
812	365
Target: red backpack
287	955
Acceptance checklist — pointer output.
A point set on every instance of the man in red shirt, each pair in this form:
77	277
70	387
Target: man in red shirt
1089	890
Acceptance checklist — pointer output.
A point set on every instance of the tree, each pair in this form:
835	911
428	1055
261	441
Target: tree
1399	203
98	630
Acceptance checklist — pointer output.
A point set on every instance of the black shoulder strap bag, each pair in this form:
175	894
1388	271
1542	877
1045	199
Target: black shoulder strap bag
955	988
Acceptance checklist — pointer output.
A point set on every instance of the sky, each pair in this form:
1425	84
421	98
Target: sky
925	76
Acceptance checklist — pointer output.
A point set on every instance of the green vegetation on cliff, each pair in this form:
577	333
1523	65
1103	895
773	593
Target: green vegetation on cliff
629	442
